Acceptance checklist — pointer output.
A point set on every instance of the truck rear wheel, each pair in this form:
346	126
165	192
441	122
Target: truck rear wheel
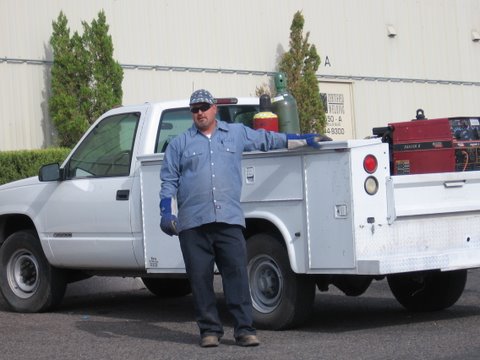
27	281
167	287
428	291
281	299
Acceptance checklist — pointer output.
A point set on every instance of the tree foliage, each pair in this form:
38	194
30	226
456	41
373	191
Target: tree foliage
300	65
106	74
86	80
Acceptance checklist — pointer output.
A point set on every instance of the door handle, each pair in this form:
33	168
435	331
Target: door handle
123	195
454	184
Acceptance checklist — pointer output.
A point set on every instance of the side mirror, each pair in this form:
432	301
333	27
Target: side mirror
50	172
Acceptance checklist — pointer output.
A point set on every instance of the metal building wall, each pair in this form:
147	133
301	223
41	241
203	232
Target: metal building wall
170	47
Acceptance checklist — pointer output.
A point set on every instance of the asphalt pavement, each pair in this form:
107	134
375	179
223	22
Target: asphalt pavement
110	318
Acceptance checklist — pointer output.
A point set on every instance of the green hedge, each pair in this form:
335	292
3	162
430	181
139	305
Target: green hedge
15	165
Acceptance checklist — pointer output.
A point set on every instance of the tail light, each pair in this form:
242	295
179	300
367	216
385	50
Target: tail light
370	164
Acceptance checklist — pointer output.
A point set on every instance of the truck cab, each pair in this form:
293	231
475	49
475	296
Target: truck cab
98	184
85	215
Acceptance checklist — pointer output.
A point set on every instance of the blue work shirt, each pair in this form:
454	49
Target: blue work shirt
205	173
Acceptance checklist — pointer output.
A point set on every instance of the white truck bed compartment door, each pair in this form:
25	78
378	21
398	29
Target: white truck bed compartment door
329	233
162	252
437	193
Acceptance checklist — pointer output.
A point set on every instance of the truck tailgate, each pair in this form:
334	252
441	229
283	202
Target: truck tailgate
433	223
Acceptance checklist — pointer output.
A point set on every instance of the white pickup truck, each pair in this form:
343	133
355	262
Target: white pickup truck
315	217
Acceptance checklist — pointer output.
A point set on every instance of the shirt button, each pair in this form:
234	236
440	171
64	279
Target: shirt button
214	188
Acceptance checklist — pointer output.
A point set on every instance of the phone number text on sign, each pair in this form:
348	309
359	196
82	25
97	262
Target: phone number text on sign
335	111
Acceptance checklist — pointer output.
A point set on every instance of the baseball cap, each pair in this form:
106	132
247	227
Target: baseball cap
202	96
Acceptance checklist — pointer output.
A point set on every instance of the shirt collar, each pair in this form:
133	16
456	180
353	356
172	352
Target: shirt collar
221	125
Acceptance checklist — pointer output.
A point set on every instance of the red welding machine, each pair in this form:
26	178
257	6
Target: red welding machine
436	145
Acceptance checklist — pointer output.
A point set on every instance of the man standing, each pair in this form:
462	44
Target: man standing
202	169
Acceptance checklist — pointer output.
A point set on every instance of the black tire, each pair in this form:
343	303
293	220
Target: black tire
167	287
350	285
428	291
281	299
27	281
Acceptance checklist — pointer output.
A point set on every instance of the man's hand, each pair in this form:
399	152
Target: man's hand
298	140
168	222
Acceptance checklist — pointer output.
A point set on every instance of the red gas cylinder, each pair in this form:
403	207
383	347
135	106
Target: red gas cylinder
265	119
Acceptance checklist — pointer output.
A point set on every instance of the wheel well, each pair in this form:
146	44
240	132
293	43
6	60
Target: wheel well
256	226
12	223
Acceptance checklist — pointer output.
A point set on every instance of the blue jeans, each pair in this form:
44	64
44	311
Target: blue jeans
224	245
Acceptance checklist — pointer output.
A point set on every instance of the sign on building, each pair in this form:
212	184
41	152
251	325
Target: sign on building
337	102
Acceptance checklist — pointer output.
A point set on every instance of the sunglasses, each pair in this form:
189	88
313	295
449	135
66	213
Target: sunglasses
203	107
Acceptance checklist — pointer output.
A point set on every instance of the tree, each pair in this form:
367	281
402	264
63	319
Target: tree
106	73
67	84
300	65
86	81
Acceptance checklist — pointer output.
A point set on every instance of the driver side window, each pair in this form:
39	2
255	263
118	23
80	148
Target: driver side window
107	150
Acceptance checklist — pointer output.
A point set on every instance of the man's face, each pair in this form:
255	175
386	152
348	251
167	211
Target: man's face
203	115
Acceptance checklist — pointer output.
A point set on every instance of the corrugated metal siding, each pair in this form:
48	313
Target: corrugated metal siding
377	103
433	42
24	122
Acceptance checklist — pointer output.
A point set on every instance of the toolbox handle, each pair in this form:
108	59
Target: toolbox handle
454	184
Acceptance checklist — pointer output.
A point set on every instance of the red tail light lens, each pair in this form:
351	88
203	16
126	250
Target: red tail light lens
370	163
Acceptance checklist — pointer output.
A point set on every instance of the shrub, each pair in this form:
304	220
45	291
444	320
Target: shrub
15	165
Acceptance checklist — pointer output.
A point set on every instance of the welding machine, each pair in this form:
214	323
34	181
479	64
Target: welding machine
433	145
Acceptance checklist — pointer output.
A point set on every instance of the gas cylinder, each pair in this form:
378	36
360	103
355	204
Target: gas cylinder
265	119
285	106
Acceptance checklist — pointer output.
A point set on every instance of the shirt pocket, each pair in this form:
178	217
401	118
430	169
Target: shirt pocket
191	160
229	157
228	146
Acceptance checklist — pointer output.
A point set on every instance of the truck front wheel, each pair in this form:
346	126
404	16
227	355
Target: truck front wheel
428	291
27	281
281	299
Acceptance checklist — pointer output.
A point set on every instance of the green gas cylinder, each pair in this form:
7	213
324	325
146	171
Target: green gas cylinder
285	106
